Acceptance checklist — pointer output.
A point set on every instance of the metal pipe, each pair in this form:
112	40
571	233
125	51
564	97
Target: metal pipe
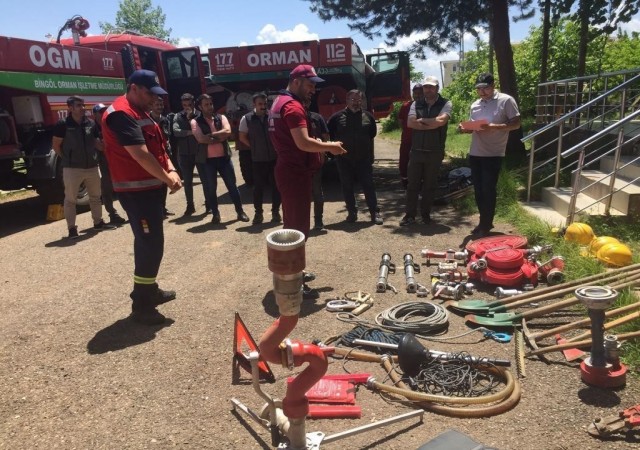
530	172
374	425
386	266
409	268
612	180
556	182
576	188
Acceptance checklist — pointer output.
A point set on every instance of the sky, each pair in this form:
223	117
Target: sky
224	23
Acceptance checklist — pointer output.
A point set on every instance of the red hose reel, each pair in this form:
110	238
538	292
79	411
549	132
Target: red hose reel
501	260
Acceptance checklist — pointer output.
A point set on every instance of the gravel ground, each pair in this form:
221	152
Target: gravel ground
76	374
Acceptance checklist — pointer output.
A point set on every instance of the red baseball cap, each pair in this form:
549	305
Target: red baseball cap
305	71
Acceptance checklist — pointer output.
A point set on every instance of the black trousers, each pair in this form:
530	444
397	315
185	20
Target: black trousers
484	174
263	175
145	210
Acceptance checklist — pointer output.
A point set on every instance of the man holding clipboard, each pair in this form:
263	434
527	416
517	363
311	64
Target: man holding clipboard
492	116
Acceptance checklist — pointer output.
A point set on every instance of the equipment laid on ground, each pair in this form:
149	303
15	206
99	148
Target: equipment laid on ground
286	419
409	268
547	293
552	270
503	266
447	289
484	405
355	302
614	254
603	368
625	421
599	242
579	232
532	338
386	267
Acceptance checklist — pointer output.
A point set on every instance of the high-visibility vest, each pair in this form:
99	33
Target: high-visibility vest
126	173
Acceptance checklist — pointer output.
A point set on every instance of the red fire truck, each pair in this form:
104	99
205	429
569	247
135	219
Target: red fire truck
36	78
238	72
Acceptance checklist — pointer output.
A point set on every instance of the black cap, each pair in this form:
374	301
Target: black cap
484	80
148	79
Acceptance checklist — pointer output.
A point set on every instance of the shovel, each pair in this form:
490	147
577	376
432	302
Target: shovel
510	319
505	304
570	354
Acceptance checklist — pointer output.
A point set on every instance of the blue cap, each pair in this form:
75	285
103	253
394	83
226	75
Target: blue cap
148	79
99	107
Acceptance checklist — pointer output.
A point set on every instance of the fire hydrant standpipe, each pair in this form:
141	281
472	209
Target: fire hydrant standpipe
597	370
286	256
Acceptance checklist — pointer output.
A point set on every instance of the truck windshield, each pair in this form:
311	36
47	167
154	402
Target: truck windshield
385	63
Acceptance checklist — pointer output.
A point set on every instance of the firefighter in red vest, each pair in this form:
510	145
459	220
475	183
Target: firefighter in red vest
141	172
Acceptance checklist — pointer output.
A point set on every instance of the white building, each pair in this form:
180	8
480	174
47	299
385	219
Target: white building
447	70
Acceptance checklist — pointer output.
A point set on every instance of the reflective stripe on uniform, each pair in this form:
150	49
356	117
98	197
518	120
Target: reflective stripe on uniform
143	280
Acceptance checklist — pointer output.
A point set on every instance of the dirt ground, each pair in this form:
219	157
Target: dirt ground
75	373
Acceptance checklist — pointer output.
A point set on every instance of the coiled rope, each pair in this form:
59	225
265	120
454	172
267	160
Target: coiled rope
419	318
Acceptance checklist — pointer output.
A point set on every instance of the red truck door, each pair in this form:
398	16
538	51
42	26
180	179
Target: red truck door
183	72
388	83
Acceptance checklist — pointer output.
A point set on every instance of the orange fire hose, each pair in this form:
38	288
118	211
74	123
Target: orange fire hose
501	401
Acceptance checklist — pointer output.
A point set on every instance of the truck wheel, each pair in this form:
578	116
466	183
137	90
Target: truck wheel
52	192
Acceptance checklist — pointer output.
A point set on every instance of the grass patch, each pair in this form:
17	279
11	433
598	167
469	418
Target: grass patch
577	264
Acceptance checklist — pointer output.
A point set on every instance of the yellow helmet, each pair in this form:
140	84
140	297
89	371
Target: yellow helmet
579	232
615	254
600	242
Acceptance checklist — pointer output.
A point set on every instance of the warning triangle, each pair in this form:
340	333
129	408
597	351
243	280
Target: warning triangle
241	335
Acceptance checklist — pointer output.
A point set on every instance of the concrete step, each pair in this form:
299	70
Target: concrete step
631	172
545	213
595	184
560	198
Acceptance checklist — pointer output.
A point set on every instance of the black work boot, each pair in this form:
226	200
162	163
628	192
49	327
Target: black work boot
161	296
143	308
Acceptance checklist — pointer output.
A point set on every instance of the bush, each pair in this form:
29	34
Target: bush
391	123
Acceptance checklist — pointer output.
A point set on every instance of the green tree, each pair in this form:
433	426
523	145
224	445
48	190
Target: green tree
596	18
443	24
461	91
622	53
139	16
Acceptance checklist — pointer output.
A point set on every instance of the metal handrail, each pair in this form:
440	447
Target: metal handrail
589	77
575	191
579	109
599	134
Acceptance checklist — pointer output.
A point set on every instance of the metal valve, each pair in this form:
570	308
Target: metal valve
502	293
552	270
450	290
479	264
449	255
447	266
453	275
